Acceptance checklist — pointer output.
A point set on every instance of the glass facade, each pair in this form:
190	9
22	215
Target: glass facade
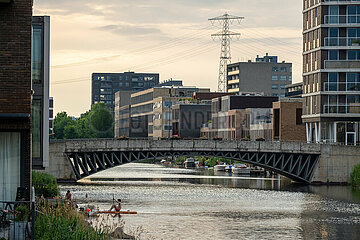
37	54
36	123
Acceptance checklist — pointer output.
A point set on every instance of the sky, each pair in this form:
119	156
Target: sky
169	37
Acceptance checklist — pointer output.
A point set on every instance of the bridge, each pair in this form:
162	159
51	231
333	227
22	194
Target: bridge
301	162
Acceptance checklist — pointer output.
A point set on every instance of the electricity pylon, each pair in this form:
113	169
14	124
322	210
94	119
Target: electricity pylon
225	35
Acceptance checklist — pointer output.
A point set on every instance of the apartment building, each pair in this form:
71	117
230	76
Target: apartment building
331	70
266	76
15	98
105	85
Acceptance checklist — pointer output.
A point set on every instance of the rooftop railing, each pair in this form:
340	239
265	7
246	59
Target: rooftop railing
341	41
336	86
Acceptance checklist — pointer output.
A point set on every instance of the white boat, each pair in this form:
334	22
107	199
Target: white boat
220	167
190	163
241	169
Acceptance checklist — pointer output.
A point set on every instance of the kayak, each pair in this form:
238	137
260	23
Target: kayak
119	212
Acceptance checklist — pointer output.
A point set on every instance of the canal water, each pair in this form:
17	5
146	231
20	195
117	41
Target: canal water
175	203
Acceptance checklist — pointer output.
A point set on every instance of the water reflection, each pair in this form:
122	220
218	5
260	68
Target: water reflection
190	204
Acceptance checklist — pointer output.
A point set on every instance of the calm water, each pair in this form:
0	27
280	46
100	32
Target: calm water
188	204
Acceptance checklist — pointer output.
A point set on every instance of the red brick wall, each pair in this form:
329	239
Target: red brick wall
15	72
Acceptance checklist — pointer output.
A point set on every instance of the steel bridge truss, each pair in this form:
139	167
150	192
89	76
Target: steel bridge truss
296	166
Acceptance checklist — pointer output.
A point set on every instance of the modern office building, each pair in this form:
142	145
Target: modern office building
105	85
240	117
287	122
40	85
15	98
331	70
122	114
188	119
265	76
149	114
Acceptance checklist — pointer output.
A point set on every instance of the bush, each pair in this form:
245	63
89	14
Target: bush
355	176
63	222
45	184
21	213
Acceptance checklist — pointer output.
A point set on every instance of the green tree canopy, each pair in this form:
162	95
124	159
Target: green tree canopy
97	123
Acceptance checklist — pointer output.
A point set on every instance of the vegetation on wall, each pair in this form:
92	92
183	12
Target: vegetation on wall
97	123
355	176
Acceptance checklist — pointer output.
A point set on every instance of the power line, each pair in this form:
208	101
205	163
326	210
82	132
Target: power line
225	35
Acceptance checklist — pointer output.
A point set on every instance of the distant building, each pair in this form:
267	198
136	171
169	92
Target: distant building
40	85
188	119
122	114
294	90
265	76
150	111
331	71
105	85
15	98
208	96
238	117
170	82
287	122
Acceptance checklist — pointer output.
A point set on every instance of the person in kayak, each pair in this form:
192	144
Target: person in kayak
117	206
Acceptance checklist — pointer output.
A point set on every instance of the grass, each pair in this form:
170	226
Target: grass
355	176
64	222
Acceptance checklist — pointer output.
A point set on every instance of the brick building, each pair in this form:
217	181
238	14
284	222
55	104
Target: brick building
15	97
287	122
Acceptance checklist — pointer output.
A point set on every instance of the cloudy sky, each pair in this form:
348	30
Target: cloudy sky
169	37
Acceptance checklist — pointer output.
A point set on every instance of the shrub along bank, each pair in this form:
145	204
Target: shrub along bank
355	176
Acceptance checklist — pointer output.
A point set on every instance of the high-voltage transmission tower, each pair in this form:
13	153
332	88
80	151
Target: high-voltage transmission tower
225	35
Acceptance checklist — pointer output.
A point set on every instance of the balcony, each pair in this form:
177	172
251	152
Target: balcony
341	19
342	64
342	1
341	41
353	108
341	87
233	72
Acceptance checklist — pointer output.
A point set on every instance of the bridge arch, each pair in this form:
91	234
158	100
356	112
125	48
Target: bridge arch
296	166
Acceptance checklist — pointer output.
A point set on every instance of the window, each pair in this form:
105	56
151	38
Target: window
353	55
36	128
274	94
282	86
167	115
10	152
37	54
282	95
290	78
283	69
298	116
333	55
274	78
275	69
274	86
167	104
283	78
167	127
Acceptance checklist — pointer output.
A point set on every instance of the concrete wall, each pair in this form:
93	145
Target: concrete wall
59	166
336	164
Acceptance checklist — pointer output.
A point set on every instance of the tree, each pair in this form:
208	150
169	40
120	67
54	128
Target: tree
61	121
101	121
71	132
